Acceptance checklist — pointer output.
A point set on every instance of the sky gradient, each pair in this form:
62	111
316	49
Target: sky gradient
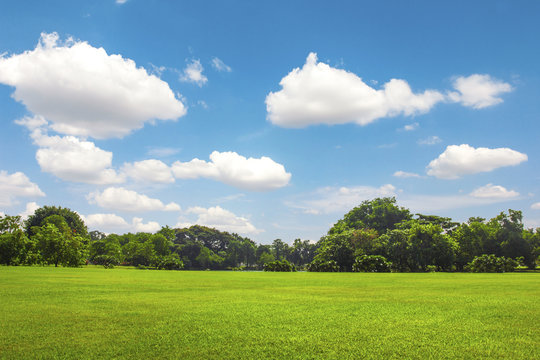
271	120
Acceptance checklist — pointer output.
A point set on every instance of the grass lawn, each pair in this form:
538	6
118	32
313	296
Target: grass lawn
91	313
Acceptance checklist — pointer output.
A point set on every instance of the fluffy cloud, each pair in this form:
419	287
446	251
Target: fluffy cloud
331	199
149	171
535	206
404	174
194	73
30	209
74	160
478	91
261	174
320	94
411	127
16	185
114	223
219	65
221	219
118	198
494	192
84	91
459	160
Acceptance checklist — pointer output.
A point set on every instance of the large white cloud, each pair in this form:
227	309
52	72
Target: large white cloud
321	94
478	91
221	219
112	223
149	171
494	192
261	174
16	185
72	159
84	91
459	160
119	198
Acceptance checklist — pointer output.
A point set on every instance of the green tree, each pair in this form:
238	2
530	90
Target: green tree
14	245
72	219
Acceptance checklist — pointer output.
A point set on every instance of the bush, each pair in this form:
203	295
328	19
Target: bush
491	263
431	268
107	261
371	263
170	262
278	265
323	266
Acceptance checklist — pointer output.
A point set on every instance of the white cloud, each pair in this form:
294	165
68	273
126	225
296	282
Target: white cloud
431	140
261	174
404	174
154	171
163	151
219	65
112	223
30	209
84	91
121	1
321	94
331	199
194	73
75	160
411	127
119	198
535	206
221	219
459	160
32	122
15	186
478	91
494	191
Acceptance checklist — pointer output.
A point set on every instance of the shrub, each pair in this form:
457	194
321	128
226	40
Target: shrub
170	262
371	263
107	261
491	263
323	266
431	268
279	265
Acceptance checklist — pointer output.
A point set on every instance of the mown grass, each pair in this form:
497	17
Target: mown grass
92	313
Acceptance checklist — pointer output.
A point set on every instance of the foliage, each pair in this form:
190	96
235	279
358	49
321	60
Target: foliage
491	263
279	265
170	262
323	266
371	263
107	261
72	219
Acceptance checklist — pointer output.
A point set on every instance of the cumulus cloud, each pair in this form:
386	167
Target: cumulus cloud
72	159
194	73
155	171
494	192
16	185
411	127
119	198
459	160
320	94
261	174
478	91
431	140
404	174
30	209
332	199
221	219
84	91
111	223
219	65
535	206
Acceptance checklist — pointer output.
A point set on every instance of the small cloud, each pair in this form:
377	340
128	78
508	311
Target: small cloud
120	2
432	140
202	104
219	65
404	174
194	73
494	192
478	91
535	206
163	151
411	127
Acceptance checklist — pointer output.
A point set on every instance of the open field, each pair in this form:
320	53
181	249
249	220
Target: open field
90	312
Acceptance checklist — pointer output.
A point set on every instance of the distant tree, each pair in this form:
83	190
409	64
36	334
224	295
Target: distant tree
265	258
14	245
280	249
371	263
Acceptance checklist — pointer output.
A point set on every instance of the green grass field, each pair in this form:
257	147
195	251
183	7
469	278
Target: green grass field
90	313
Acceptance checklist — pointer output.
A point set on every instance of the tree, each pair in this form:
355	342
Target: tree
14	245
280	249
72	219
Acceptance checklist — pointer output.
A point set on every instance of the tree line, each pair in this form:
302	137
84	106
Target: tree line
378	235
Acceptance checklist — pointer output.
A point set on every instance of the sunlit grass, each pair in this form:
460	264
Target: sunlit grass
126	313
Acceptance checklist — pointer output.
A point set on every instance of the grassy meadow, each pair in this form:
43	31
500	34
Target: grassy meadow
92	313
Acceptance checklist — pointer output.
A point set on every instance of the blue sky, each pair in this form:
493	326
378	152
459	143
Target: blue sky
270	119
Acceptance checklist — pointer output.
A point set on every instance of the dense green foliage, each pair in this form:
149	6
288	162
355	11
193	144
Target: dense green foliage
408	243
279	265
491	263
371	263
423	243
93	313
